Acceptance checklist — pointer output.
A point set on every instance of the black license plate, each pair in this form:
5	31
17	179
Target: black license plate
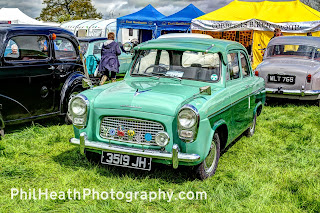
287	79
129	161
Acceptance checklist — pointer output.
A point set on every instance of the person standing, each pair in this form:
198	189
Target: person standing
109	64
276	33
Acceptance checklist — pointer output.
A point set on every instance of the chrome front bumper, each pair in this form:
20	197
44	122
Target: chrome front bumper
175	156
301	92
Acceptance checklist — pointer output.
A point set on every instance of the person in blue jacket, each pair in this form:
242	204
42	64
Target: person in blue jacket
109	64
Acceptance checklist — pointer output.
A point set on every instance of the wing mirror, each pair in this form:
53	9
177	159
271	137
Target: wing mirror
86	83
205	90
127	47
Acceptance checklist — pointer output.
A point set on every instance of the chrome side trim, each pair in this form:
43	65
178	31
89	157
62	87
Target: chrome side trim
292	92
175	156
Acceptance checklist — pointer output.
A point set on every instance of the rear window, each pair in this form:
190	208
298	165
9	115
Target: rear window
297	51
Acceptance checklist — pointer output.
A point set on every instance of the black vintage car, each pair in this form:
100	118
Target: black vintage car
40	68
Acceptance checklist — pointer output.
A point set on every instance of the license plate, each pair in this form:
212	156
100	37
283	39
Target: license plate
129	161
287	79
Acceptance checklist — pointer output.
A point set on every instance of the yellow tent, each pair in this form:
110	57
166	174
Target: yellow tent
253	23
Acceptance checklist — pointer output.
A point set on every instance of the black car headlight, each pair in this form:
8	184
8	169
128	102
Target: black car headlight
188	121
78	107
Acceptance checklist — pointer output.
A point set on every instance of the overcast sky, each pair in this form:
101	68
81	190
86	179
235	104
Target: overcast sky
123	7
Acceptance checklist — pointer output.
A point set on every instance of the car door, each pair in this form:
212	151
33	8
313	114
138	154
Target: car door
125	60
26	79
249	80
66	61
238	91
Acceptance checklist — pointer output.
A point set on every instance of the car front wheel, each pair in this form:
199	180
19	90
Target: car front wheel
208	167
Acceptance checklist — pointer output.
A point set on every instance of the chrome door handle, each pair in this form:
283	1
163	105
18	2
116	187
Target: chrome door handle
51	68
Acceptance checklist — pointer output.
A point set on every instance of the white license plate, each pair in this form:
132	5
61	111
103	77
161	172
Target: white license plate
130	161
287	79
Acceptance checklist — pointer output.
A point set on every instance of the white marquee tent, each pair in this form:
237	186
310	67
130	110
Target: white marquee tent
15	16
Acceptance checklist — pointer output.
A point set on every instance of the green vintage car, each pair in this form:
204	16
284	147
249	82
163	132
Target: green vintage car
184	99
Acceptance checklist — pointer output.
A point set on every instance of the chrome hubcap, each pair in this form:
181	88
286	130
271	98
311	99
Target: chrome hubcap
210	161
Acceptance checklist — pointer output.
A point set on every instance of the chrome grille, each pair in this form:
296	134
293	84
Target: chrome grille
110	126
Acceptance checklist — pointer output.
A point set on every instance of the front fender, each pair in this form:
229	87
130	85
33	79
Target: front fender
73	80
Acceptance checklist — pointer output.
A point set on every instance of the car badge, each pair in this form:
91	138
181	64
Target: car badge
138	137
120	132
139	92
131	133
148	137
112	131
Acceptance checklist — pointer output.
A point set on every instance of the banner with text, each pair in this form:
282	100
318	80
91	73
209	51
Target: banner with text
254	24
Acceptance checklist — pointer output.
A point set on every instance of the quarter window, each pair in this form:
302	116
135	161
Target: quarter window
233	66
64	49
25	48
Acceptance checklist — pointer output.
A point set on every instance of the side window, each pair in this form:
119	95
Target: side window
64	49
244	66
25	48
233	66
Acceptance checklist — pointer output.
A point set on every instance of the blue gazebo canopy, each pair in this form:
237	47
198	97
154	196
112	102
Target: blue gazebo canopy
181	20
145	19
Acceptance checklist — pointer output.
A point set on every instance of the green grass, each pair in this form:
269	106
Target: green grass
276	170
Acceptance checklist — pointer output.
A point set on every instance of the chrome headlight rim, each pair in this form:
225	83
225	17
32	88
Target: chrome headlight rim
194	128
84	116
194	111
86	102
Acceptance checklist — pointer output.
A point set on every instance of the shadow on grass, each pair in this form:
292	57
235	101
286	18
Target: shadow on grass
74	160
274	102
45	122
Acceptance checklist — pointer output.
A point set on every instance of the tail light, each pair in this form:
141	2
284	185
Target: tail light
256	73
309	78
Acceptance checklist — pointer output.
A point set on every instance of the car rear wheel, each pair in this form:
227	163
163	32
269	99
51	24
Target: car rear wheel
251	130
208	167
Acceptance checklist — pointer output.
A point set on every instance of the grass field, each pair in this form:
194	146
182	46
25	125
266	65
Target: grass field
276	170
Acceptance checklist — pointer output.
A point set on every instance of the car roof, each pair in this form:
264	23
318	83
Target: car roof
296	40
26	28
192	43
91	39
9	30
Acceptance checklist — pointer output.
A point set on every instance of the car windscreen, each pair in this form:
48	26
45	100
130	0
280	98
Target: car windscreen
191	65
289	50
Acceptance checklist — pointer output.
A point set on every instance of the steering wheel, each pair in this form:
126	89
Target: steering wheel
161	68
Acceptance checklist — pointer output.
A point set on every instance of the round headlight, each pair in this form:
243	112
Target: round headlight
187	118
162	138
78	106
